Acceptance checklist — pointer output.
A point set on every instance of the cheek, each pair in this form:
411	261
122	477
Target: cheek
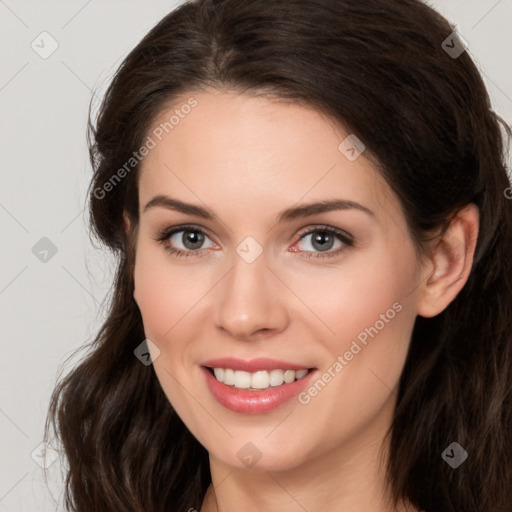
165	295
370	311
372	317
152	295
164	291
365	293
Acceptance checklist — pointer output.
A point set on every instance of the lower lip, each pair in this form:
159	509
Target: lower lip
255	402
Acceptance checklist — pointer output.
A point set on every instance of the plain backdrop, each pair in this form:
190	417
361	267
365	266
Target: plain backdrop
52	279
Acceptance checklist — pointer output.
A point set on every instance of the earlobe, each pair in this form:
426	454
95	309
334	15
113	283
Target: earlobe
450	263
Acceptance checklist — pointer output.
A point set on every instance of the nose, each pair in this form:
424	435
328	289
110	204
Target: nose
250	301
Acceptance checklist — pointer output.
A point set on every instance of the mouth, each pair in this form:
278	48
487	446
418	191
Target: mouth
256	392
258	380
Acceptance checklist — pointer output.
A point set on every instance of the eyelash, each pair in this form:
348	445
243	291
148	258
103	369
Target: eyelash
163	236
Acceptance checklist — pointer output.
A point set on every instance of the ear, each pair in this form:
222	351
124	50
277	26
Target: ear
449	264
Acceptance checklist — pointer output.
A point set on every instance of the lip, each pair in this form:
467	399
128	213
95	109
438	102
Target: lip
253	365
255	402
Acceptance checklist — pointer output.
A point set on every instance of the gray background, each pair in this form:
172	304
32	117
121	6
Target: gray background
48	309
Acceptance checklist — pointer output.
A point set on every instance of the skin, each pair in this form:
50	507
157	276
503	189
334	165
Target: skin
247	158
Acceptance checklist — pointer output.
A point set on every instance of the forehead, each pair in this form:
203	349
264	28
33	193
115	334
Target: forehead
255	153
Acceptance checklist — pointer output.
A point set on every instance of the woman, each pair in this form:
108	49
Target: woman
312	305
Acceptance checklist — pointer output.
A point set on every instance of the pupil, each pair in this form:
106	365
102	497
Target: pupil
190	236
318	238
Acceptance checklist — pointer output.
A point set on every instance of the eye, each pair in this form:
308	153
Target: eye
191	238
323	241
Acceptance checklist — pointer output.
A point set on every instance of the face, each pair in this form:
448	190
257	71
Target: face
252	283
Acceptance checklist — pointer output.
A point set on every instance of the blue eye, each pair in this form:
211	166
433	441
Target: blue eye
195	237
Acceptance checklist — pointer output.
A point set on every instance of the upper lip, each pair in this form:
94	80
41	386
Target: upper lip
253	365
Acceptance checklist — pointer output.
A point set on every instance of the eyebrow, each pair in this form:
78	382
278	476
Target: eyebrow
295	212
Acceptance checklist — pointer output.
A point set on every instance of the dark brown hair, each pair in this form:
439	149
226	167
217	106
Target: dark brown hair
379	68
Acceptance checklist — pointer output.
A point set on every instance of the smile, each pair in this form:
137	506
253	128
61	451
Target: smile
276	387
262	379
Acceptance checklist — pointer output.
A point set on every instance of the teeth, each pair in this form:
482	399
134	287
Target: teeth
258	380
